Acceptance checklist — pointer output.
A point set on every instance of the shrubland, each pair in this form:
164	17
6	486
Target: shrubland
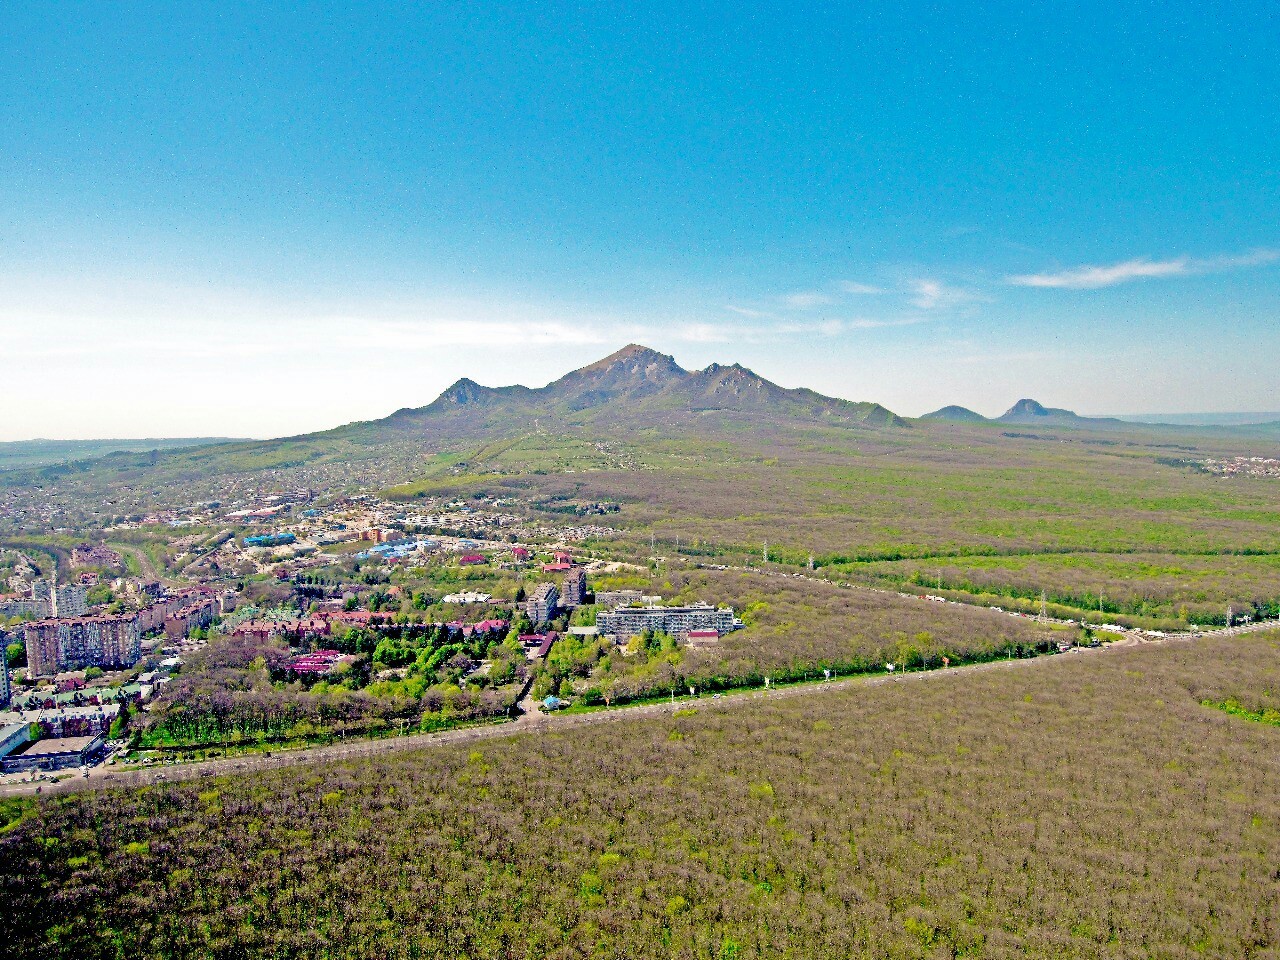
1079	806
795	629
1076	513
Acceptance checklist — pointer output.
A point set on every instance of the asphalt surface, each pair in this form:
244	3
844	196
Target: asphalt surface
531	722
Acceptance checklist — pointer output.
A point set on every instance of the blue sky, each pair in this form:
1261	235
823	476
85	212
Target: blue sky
251	220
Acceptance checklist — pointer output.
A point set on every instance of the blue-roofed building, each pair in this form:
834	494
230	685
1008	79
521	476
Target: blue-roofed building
269	540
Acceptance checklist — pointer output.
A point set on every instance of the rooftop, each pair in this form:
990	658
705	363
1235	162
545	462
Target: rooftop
55	746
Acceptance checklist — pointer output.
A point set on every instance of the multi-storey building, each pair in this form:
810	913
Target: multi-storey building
575	588
543	603
69	600
626	622
19	606
6	689
618	598
196	613
73	643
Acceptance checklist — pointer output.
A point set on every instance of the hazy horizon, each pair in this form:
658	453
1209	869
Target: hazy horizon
1183	418
261	222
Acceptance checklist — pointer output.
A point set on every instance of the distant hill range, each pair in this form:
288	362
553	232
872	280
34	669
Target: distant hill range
955	414
636	383
635	389
17	454
1026	413
1270	419
1033	413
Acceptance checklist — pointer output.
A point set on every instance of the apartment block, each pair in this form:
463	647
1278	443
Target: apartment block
625	622
542	603
73	643
575	588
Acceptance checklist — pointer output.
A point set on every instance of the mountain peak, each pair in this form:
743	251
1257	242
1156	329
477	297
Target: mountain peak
638	350
1027	408
637	380
958	414
633	372
1031	412
635	355
463	392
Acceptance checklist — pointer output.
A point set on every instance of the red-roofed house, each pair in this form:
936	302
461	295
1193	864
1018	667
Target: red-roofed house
468	559
699	638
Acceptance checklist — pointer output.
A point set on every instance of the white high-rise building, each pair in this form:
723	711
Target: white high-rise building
67	600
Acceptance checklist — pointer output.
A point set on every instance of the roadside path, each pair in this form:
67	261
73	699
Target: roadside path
532	722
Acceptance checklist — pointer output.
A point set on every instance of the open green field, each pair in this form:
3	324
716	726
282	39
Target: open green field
1020	812
1180	587
1124	515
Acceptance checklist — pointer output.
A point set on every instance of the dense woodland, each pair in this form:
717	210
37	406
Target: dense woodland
1016	811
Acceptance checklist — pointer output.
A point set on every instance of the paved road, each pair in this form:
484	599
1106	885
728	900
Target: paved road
533	721
530	722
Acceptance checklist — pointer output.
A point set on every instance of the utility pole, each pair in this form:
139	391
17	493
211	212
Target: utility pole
1044	615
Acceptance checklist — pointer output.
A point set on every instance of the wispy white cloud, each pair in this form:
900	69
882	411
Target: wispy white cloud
806	299
860	289
835	327
1141	268
866	323
928	294
1090	278
1252	258
701	333
747	312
